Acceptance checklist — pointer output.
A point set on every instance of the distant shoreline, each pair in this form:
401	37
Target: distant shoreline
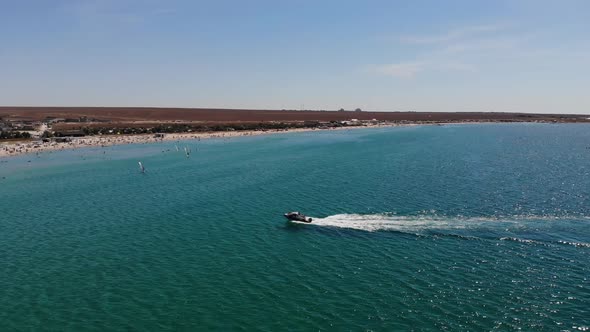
106	126
13	148
17	148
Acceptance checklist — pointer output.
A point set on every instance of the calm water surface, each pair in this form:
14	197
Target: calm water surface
472	227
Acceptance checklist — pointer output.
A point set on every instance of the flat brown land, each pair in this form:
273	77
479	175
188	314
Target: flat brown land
153	114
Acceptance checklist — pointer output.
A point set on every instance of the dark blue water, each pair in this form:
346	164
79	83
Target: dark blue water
463	227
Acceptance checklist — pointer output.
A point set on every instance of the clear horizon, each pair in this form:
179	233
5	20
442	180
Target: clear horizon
506	56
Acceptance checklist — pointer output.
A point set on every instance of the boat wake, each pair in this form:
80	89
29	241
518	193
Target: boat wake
385	222
493	228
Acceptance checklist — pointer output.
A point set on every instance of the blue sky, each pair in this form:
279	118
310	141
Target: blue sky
452	55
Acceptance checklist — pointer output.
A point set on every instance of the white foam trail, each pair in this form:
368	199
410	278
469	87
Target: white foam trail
416	224
377	222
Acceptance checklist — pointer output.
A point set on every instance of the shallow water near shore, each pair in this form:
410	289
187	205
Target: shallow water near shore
458	227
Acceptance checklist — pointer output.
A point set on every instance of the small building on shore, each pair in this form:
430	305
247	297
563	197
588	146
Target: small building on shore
351	122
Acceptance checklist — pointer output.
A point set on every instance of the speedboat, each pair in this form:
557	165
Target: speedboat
296	216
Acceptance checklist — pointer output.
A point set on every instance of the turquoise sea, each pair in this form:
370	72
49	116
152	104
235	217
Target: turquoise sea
426	228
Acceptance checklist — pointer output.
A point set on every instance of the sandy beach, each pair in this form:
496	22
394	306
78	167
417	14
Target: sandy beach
8	149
